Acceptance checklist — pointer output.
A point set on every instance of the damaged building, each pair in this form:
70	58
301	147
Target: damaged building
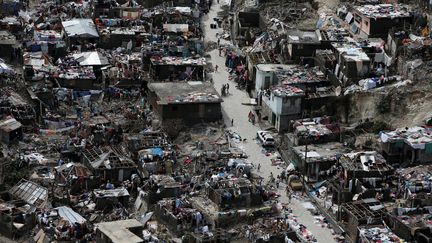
185	103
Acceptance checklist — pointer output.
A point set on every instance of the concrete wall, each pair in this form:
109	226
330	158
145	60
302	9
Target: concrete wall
192	113
261	77
284	105
284	110
297	51
379	27
283	121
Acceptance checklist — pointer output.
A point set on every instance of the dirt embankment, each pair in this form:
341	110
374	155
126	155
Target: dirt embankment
403	106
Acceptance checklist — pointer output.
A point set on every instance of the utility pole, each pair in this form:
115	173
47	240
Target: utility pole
306	165
2	164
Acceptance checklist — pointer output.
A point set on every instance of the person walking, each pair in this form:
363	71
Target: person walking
250	116
232	122
216	68
288	193
227	88
259	167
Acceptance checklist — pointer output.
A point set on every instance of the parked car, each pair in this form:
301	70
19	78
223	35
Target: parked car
266	138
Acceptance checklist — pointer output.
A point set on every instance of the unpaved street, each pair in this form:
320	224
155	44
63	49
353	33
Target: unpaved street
233	109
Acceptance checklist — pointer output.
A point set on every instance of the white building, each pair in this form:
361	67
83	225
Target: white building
281	104
265	75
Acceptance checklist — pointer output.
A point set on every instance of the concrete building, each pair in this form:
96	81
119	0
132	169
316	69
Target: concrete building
265	75
377	20
302	44
79	30
284	92
186	102
313	159
246	23
353	64
281	105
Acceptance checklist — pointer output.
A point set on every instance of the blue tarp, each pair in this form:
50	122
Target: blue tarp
157	152
319	184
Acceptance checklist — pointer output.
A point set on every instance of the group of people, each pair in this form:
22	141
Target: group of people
225	89
280	178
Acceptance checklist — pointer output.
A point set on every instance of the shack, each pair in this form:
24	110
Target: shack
265	75
179	215
155	160
363	175
353	64
7	46
314	159
185	103
110	163
10	130
159	187
65	220
281	105
361	213
171	68
315	130
30	192
234	193
407	145
18	206
247	24
412	224
75	77
73	177
416	186
17	217
49	42
78	31
376	20
14	103
110	198
136	142
377	233
302	44
291	90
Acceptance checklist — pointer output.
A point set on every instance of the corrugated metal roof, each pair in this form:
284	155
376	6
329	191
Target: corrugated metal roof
70	215
30	192
9	125
80	28
92	58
